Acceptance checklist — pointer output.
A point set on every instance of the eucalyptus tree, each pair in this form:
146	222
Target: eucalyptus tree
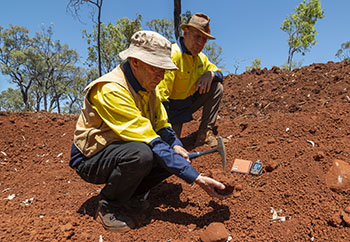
38	66
300	27
53	67
17	58
10	100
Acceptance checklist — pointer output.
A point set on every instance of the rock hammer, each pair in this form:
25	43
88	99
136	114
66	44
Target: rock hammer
220	148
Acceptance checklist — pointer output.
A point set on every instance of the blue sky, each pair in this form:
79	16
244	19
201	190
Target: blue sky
245	29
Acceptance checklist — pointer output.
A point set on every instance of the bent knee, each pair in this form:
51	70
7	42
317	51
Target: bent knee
143	153
217	89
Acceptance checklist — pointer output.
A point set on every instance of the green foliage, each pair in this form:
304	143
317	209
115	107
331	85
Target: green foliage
17	58
344	52
10	100
293	65
300	27
256	64
114	39
213	52
53	67
163	27
75	90
40	67
185	17
46	72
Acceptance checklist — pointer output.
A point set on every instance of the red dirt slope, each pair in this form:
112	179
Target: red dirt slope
295	122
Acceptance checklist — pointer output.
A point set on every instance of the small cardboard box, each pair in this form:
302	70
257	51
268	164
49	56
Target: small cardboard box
241	166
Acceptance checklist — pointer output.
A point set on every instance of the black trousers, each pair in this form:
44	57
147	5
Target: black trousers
127	168
210	102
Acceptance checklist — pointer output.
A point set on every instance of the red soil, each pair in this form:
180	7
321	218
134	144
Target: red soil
295	122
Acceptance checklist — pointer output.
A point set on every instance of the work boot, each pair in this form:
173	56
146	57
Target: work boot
206	137
136	204
113	220
211	139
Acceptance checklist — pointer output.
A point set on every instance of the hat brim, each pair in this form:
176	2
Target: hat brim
153	59
209	36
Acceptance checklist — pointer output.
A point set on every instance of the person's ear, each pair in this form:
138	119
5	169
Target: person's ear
134	63
185	31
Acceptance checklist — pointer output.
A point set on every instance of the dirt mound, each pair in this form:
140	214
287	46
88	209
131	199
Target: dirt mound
295	122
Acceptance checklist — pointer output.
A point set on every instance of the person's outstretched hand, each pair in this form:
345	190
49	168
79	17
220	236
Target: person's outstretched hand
209	184
204	82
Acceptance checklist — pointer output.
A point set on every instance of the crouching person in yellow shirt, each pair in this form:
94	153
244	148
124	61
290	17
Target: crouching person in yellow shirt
123	139
197	82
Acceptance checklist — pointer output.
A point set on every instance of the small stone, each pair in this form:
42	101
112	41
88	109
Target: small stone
336	219
192	227
215	232
271	165
66	227
239	187
60	122
346	218
338	176
236	194
319	156
347	209
271	140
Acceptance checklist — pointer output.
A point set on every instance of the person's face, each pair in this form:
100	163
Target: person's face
194	40
147	75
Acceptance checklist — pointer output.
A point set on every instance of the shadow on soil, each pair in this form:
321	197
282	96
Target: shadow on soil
166	206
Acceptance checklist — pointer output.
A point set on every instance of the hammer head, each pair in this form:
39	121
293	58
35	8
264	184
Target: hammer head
222	151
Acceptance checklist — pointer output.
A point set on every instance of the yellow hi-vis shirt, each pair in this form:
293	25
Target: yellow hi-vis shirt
181	83
117	108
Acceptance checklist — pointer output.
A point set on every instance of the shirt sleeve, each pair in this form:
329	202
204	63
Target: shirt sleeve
168	135
173	162
118	110
219	77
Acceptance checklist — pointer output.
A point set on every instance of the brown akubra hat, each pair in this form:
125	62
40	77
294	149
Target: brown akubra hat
199	21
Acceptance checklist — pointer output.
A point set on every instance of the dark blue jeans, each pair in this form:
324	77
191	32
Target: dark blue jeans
127	168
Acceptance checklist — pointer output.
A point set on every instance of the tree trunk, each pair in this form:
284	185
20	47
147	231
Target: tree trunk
99	6
177	18
58	105
25	98
290	57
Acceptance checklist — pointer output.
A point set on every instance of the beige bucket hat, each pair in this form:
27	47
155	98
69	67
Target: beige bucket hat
199	21
151	48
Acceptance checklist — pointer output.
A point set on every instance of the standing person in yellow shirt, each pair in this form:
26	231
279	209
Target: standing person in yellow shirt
197	82
123	139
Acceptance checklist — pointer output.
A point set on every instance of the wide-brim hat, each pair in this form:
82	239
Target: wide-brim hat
199	21
151	48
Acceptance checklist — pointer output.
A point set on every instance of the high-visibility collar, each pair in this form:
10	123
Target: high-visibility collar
131	78
181	44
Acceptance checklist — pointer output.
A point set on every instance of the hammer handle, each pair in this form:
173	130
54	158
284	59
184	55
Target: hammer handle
199	153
